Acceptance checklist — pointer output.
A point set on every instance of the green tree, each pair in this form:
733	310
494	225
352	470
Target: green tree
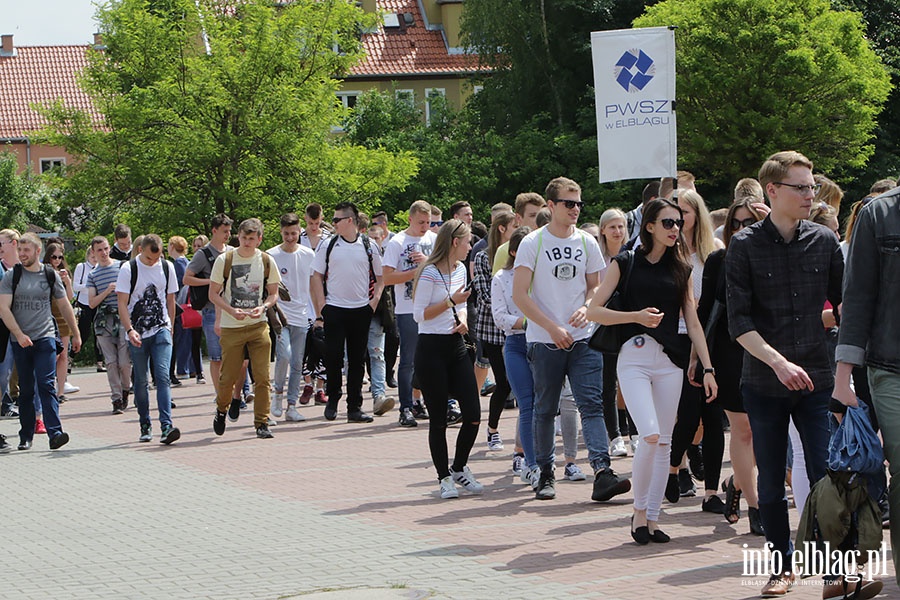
25	199
758	76
219	107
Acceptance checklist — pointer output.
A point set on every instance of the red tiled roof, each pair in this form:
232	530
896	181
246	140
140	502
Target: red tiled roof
39	74
409	50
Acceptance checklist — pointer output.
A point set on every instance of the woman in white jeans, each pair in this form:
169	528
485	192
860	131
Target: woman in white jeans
652	360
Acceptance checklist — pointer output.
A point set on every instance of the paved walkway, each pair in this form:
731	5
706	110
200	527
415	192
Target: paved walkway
326	510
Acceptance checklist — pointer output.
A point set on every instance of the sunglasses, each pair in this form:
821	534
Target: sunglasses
670	223
740	224
436	223
56	257
337	220
570	204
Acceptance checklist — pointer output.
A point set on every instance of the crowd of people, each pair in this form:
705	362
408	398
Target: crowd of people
755	318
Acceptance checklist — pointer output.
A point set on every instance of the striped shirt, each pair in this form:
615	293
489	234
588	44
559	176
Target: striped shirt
100	278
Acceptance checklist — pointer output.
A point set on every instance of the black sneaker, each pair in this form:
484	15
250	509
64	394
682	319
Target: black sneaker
4	445
125	394
219	423
169	434
419	411
686	487
672	493
59	440
117	407
263	432
234	411
607	484
358	416
331	410
174	382
391	381
407	419
695	462
546	487
9	412
24	444
454	415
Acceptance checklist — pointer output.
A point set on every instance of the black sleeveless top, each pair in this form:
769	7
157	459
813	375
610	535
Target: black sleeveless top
653	285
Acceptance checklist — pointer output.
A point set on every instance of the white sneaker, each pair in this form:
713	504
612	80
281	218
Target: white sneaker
574	473
448	488
531	475
293	414
70	389
634	444
277	405
381	404
467	480
249	398
494	442
518	464
617	448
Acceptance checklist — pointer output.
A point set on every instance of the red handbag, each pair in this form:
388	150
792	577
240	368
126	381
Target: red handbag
190	317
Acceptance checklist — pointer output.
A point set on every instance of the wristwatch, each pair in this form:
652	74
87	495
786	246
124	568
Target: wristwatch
711	371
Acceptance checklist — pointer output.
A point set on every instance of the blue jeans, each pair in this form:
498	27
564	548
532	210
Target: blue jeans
36	366
584	367
182	341
376	357
289	354
409	337
518	372
213	346
159	348
769	417
6	368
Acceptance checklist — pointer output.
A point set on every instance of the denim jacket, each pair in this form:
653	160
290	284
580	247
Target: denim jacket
870	322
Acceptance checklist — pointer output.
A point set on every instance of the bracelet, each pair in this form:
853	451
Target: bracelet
320	319
450	303
130	329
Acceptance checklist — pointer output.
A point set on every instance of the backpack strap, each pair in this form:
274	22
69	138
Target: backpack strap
133	266
229	260
328	250
368	246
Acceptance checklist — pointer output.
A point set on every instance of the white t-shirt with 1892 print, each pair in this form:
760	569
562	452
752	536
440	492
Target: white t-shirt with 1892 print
560	267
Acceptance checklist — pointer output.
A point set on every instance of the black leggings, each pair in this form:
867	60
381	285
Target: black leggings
618	421
494	355
447	372
691	408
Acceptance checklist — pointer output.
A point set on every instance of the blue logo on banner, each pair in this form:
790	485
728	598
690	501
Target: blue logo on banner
634	70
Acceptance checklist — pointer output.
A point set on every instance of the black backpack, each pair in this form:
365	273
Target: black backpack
17	277
368	246
199	294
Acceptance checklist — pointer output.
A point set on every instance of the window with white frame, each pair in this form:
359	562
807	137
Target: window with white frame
431	93
408	96
348	99
50	164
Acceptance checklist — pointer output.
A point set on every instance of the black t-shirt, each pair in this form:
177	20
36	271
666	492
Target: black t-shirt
653	285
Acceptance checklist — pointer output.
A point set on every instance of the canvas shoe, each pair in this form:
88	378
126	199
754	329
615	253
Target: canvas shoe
467	480
518	463
574	472
234	411
294	415
494	442
219	423
307	394
277	408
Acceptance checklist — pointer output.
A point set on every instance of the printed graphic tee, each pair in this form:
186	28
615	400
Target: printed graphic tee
560	266
147	305
245	288
396	256
31	304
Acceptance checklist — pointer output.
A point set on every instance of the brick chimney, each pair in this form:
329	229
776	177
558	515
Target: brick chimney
98	42
6	45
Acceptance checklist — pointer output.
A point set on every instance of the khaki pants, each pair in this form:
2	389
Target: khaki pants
255	339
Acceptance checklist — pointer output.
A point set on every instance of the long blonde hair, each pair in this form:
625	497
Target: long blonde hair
495	236
611	215
443	244
703	238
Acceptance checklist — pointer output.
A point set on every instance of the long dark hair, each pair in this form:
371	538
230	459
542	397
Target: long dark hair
674	256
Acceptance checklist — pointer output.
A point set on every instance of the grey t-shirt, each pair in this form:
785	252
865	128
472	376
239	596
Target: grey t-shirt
201	267
31	304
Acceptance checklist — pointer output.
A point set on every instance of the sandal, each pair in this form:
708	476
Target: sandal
732	501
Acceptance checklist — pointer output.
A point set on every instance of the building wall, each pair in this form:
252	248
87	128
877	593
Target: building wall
38	155
456	90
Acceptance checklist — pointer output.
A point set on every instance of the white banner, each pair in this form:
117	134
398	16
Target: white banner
634	87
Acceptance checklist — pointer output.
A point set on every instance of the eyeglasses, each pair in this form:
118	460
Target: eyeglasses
56	257
739	224
670	223
337	220
800	187
436	223
570	204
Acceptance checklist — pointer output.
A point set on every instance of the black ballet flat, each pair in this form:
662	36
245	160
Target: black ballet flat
641	535
659	537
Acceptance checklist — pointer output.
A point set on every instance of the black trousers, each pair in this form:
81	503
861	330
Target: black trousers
350	327
691	409
494	353
446	372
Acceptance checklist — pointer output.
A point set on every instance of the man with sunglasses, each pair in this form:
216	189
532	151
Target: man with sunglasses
779	273
557	272
346	287
402	256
